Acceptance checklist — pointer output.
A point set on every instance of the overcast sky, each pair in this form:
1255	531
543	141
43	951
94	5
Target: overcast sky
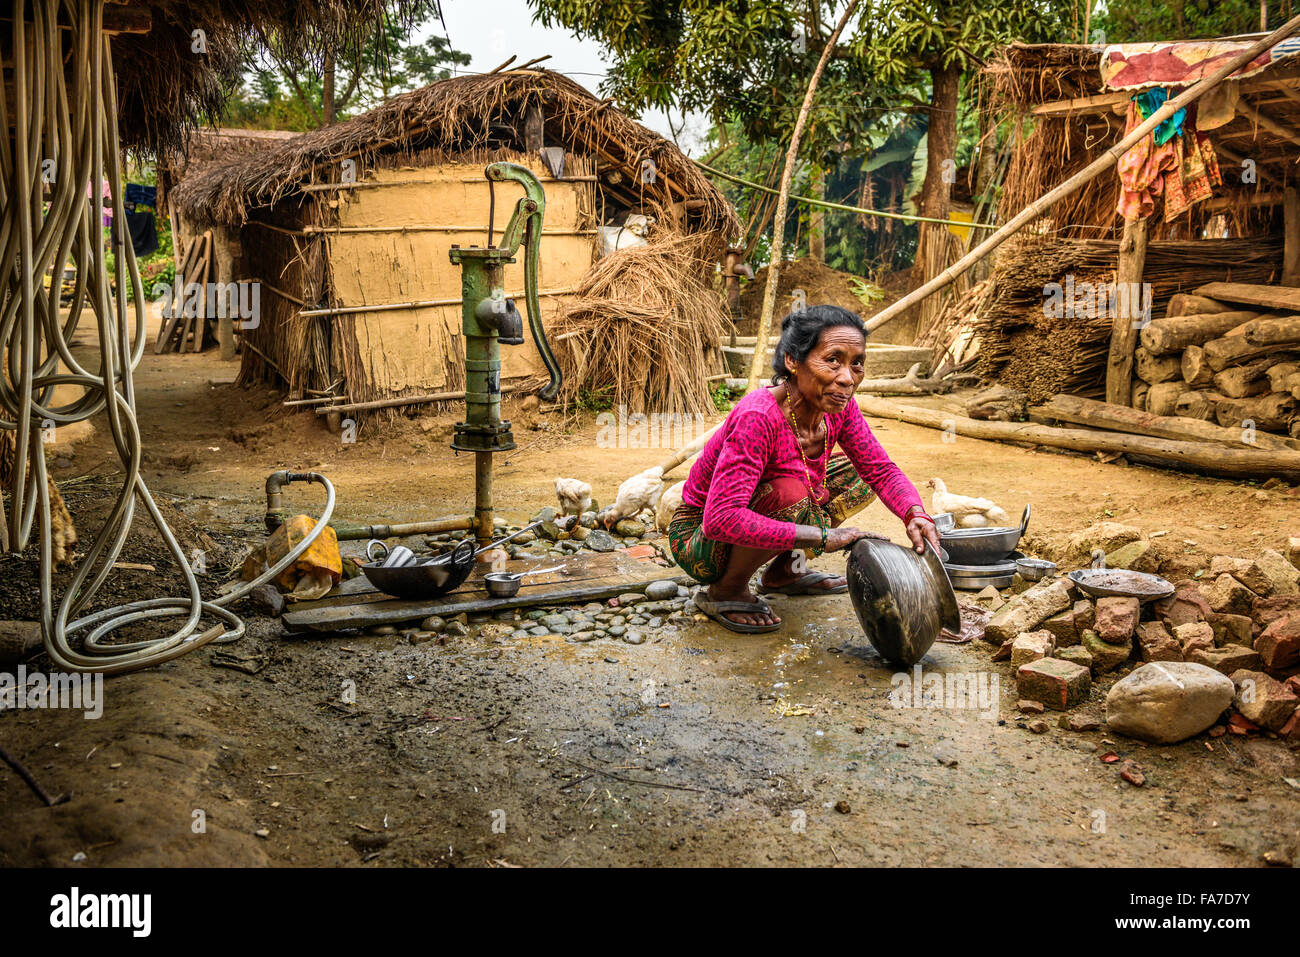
491	31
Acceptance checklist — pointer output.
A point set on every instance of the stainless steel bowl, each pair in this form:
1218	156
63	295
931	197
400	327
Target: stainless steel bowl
1035	569
982	546
502	584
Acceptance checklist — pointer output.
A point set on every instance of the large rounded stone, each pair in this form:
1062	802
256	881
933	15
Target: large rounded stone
661	590
1168	701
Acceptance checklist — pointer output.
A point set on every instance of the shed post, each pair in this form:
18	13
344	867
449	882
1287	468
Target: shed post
1125	321
1291	227
224	250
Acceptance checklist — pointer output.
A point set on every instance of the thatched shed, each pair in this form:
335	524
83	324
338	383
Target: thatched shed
1067	104
350	226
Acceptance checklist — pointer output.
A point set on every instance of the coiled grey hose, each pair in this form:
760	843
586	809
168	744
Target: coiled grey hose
65	134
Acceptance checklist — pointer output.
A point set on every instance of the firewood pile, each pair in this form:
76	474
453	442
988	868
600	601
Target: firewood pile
1229	354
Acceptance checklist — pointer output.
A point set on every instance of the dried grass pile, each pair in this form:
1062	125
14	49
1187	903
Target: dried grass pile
643	329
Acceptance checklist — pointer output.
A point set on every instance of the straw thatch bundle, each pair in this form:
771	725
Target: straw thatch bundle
466	114
1023	347
643	329
166	87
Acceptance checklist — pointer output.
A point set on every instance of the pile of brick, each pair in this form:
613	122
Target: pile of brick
1239	617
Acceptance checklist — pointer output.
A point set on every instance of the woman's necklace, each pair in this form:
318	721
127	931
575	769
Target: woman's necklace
794	427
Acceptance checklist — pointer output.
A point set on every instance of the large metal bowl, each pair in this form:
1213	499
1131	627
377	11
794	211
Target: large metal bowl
902	599
982	546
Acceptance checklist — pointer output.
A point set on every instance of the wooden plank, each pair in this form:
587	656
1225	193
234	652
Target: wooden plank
1267	297
1124	326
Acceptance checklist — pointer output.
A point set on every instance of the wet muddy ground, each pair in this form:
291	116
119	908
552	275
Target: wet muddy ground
700	747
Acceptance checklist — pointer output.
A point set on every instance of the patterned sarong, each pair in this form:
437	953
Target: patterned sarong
784	499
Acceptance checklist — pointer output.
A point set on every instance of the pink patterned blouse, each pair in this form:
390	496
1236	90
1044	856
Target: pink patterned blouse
756	444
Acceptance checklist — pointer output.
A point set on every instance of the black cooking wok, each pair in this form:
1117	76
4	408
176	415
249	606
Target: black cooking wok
431	577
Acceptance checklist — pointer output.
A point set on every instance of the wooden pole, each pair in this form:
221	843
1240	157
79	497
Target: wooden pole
1209	456
1124	324
1094	169
1291	231
783	202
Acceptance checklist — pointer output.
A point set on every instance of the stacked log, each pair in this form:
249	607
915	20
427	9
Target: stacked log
1227	354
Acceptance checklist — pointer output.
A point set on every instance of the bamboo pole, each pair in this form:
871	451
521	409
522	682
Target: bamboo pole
783	201
1090	172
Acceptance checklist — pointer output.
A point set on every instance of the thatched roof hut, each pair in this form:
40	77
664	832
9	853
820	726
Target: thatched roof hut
177	60
462	115
350	228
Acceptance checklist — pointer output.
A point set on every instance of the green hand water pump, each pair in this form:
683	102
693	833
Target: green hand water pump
490	319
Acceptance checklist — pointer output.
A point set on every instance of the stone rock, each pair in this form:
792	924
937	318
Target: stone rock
1085	615
1268	610
580	533
1030	646
599	540
1062	628
1139	556
1194	636
1004	650
1229	596
1231	629
267	599
630	598
588	635
1283	576
1058	684
433	623
1156	644
629	528
1029	706
1027	611
634	637
587	520
1166	702
1107	536
1077	654
1228	659
456	629
1105	656
1186	604
661	590
1245	571
1261	699
1117	618
992	596
1079	722
1039	726
420	637
1293	551
1279	645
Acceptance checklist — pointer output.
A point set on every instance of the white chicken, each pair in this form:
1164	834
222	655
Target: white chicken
642	490
966	511
574	496
669	502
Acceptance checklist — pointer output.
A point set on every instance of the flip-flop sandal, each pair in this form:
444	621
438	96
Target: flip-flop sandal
805	585
717	611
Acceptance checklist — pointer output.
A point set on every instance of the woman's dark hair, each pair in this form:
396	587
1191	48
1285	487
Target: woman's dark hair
802	330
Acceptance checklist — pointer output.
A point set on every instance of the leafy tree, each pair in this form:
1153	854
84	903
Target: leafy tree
1134	21
284	93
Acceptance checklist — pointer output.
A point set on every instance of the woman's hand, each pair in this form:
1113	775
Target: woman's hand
839	538
921	530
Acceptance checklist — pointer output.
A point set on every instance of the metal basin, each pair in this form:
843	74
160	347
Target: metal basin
902	599
982	546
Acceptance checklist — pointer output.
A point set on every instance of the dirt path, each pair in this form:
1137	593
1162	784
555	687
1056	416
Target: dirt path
672	752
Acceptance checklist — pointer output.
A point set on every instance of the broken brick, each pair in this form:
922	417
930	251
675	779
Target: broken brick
1117	618
1156	644
1279	645
1263	700
1227	659
1058	684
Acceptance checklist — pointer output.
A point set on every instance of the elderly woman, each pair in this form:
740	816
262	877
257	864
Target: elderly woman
766	487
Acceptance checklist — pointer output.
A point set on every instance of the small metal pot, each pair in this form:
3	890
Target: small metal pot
1035	569
502	584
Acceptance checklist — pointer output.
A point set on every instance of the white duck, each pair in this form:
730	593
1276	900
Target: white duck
966	511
